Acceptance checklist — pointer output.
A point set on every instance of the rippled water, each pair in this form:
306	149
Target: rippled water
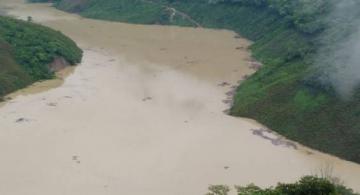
143	114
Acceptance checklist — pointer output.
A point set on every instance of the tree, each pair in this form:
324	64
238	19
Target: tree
29	19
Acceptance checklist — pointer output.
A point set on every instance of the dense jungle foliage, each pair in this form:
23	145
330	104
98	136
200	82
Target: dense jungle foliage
26	49
288	94
307	185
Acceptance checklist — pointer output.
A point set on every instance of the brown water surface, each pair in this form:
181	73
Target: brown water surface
142	114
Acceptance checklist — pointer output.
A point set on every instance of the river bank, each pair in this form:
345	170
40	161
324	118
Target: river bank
30	52
41	86
143	114
292	92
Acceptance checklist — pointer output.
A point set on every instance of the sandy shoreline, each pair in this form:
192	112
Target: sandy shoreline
142	114
40	86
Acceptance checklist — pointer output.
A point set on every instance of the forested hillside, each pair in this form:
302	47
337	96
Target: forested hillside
307	89
307	185
26	50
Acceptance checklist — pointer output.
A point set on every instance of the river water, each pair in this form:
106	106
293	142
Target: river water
143	114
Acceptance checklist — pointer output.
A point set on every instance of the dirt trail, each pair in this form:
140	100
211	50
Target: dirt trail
174	12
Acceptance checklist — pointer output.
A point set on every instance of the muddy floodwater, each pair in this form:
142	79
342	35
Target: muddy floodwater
143	114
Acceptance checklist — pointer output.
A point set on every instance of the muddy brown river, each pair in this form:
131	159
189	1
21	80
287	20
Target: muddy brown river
143	114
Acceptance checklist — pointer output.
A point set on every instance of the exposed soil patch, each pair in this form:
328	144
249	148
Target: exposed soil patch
58	64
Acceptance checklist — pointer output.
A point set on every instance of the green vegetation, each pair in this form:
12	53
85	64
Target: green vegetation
134	11
12	76
288	93
308	185
26	50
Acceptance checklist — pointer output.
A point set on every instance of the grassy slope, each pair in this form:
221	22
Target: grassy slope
279	95
26	49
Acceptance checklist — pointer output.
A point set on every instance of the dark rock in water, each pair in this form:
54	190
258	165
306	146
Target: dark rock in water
227	101
20	120
223	84
230	93
245	77
146	99
277	141
52	104
227	111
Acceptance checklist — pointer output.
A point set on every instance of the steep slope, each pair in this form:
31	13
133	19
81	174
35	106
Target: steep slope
12	76
27	49
289	93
